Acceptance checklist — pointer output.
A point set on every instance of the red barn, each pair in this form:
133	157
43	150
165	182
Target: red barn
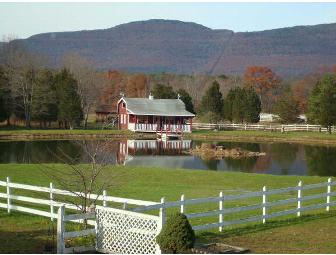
153	115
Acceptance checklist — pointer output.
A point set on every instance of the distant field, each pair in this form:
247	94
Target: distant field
154	183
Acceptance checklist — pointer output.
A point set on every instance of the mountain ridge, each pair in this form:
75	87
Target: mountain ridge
186	47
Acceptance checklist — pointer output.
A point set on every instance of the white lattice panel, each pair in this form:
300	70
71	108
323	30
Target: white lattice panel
120	231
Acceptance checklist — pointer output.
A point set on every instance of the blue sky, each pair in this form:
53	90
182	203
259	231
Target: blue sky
26	19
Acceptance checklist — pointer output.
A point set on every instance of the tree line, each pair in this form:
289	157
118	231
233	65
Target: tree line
32	92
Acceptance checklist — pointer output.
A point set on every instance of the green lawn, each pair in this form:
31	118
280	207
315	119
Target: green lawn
262	136
154	183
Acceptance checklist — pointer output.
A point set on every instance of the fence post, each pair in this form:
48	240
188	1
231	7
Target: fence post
160	224
245	126
264	211
221	208
51	196
328	194
182	204
162	211
60	230
299	195
282	129
124	205
8	195
104	198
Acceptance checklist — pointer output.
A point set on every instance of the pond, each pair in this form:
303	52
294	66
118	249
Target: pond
280	158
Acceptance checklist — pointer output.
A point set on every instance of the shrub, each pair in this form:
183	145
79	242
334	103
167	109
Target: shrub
177	235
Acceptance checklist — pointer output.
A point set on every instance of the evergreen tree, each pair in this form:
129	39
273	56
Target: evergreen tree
212	101
69	108
5	97
160	91
242	105
228	104
187	100
44	106
239	105
287	107
253	106
322	102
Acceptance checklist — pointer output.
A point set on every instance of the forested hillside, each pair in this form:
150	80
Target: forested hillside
183	47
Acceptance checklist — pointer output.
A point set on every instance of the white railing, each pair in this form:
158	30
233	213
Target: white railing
265	127
264	206
51	202
142	127
297	193
62	234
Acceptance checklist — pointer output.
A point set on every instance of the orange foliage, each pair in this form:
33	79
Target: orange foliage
265	82
261	78
137	86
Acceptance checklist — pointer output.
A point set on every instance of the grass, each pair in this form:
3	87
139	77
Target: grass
248	136
260	136
154	183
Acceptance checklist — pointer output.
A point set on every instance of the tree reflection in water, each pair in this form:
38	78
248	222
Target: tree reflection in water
321	160
284	154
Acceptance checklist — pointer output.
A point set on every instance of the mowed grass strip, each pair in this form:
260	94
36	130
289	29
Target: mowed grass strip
260	136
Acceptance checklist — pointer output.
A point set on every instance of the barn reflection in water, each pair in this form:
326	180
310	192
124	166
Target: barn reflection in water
134	150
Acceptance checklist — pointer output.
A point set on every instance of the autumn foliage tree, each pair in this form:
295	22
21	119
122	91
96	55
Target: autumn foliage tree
265	82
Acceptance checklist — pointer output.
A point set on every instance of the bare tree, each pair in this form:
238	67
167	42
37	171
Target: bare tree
84	180
89	81
21	68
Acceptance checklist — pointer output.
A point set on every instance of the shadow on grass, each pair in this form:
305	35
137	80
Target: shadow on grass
207	236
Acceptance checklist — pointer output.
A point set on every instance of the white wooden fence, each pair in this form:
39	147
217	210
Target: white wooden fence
298	199
62	234
264	127
264	205
51	202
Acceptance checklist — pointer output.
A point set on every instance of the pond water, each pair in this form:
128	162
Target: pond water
280	158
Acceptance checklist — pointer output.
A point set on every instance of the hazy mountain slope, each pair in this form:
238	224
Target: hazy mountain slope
175	46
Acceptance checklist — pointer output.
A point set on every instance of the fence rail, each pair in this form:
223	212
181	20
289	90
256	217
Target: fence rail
264	127
183	204
264	205
62	234
51	202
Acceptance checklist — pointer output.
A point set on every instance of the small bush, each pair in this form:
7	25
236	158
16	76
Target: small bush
177	235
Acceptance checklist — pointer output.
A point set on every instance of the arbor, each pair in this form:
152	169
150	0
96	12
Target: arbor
44	107
187	100
160	91
287	107
69	105
322	102
212	101
265	83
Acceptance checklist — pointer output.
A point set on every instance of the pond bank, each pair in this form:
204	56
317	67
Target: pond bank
312	138
27	135
309	138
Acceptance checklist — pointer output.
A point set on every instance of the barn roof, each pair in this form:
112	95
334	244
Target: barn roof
158	107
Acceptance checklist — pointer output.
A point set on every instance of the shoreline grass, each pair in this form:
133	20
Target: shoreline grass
241	135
